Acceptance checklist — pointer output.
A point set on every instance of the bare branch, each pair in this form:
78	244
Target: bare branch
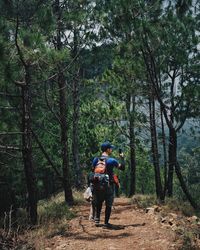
10	133
46	154
121	130
8	95
19	83
10	148
49	106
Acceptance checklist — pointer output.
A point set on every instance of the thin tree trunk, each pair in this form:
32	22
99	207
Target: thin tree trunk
184	187
174	164
164	151
132	146
152	73
75	135
76	113
172	140
172	160
64	140
63	115
26	133
27	147
154	148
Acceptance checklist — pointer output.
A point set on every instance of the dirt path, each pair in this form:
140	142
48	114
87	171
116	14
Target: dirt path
134	229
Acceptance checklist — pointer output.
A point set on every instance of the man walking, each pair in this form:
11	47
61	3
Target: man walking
107	194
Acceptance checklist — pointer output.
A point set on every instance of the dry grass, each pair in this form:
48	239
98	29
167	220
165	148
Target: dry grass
53	209
170	204
53	217
144	201
179	206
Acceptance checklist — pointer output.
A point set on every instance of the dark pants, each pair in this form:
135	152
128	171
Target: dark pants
116	191
99	196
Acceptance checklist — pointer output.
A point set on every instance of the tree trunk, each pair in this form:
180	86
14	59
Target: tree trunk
132	145
172	150
63	115
164	151
172	160
184	187
75	136
27	147
64	140
76	110
174	164
154	149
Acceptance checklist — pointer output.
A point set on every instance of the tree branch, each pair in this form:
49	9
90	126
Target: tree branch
10	133
48	104
46	155
10	148
9	95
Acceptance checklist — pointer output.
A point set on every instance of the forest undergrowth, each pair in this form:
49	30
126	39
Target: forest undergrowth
54	219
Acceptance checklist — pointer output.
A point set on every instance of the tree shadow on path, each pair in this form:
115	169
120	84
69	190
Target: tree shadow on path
121	227
90	235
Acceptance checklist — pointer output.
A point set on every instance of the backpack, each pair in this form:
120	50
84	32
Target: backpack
100	168
100	176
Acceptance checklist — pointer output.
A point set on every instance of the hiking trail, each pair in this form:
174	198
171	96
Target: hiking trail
132	229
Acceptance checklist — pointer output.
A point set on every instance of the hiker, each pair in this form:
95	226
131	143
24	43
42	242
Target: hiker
103	188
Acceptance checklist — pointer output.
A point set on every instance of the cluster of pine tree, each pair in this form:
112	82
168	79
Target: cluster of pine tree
76	73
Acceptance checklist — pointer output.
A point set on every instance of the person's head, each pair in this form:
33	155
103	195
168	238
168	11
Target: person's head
107	147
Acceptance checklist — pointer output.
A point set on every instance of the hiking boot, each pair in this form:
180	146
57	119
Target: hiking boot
97	221
107	225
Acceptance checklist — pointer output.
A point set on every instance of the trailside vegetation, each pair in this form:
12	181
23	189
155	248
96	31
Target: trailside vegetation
76	73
